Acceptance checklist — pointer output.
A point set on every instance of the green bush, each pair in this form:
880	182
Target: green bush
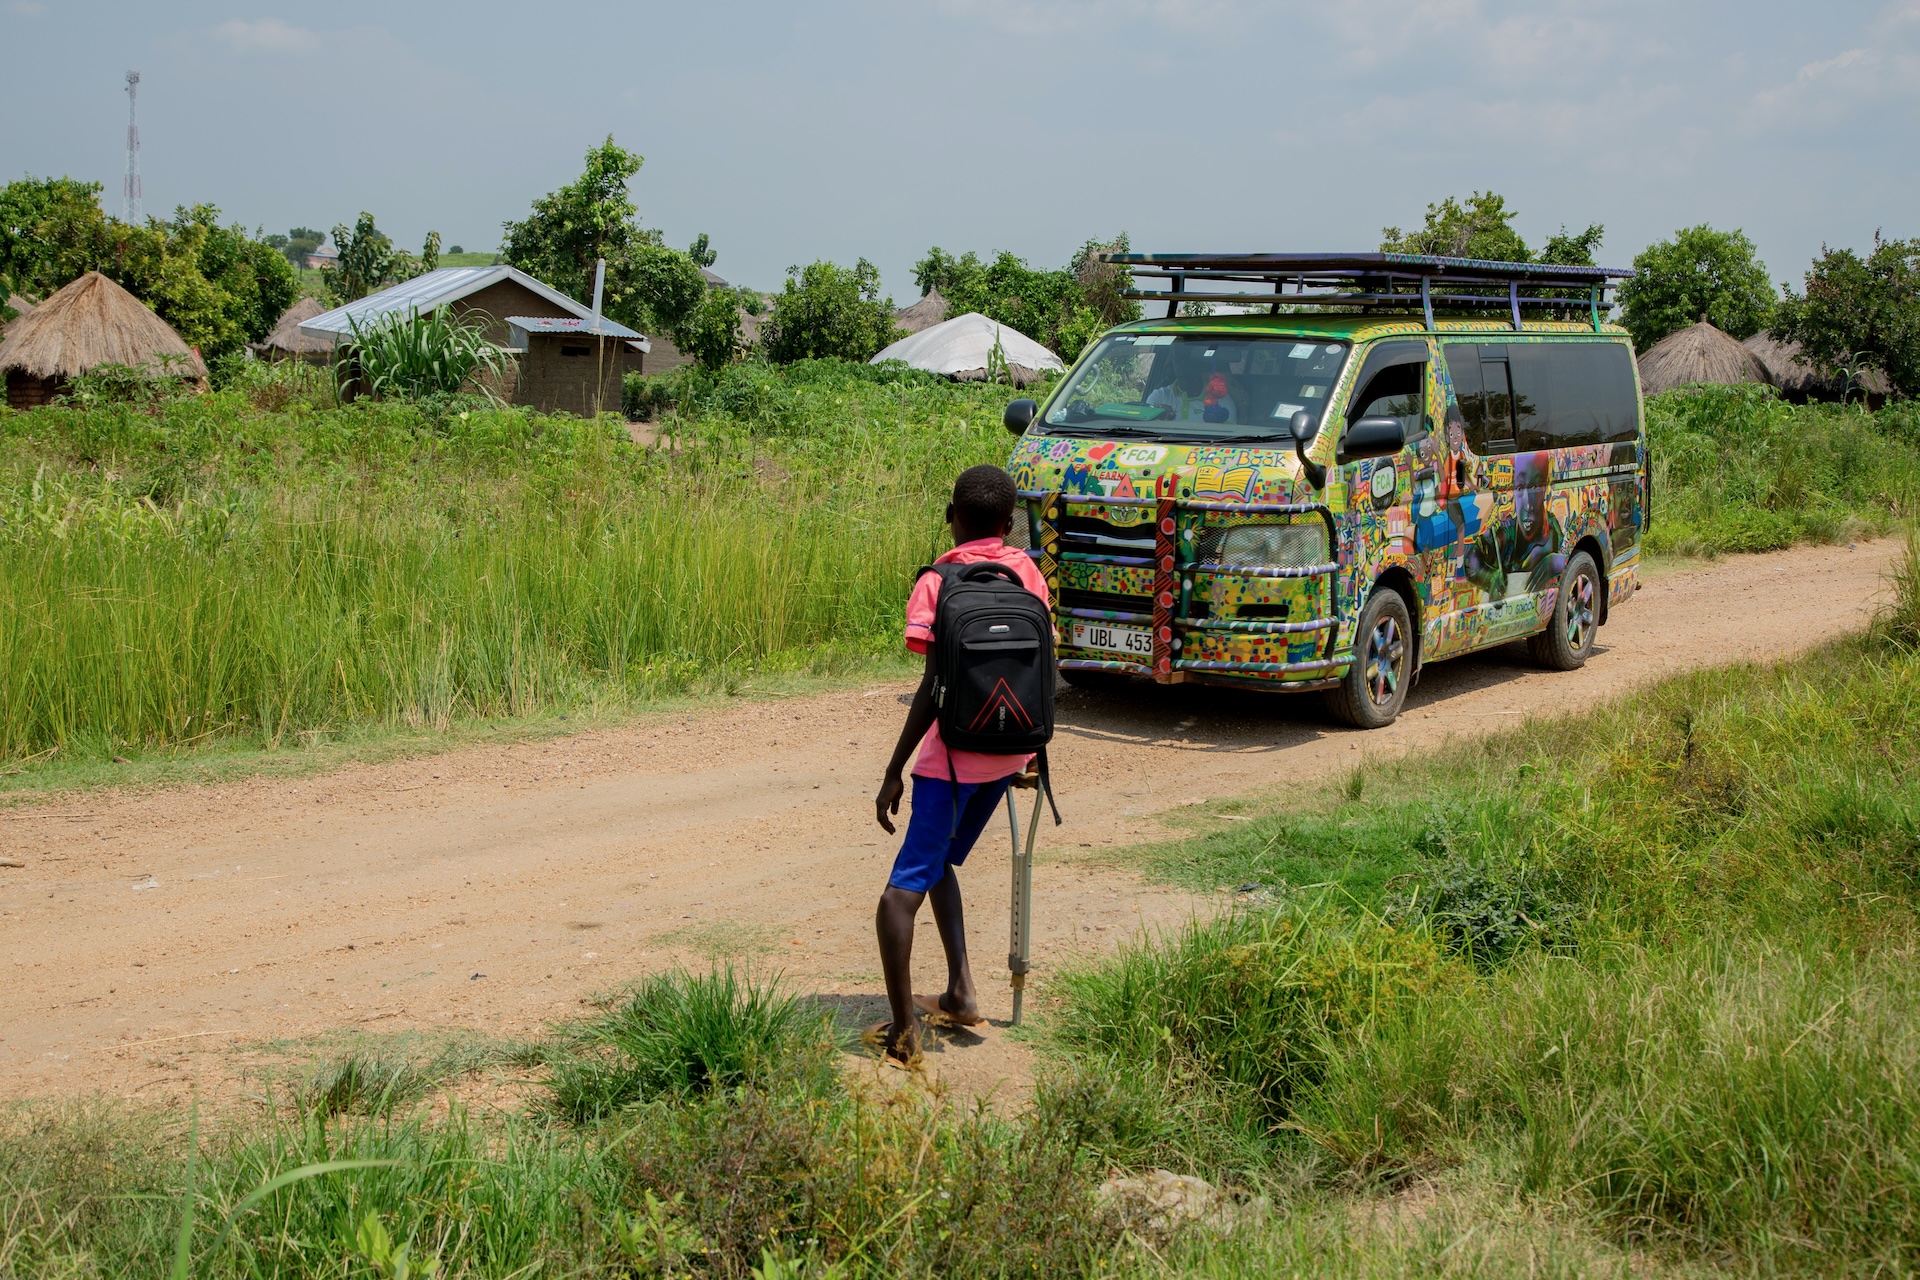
829	312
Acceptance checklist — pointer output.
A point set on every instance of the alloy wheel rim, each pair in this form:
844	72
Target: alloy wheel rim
1385	649
1580	612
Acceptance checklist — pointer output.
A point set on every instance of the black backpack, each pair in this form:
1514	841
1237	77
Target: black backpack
993	664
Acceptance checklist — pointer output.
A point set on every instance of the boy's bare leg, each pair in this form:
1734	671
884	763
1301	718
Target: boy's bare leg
894	921
949	916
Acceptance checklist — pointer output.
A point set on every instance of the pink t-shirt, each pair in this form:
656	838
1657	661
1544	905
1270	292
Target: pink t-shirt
968	766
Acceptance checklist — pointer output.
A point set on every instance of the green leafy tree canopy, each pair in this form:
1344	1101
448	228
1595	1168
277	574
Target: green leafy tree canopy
1861	313
829	311
218	286
1699	273
648	285
1061	309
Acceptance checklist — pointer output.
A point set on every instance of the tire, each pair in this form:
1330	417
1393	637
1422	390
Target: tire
1097	681
1375	687
1568	640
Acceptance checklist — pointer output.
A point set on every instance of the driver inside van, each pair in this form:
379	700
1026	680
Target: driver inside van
1198	392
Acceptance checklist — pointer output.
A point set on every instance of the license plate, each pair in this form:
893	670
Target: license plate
1134	641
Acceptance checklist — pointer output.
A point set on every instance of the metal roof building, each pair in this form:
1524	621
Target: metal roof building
445	286
566	358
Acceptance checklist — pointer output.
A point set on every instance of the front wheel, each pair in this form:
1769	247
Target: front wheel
1568	640
1096	681
1375	686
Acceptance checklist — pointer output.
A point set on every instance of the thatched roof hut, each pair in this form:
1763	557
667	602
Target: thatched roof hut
1698	353
924	314
1799	379
286	340
91	322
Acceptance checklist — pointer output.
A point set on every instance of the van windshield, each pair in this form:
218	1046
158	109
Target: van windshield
1198	387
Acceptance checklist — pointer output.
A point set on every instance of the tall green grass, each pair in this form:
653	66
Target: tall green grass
1738	469
1680	1000
208	570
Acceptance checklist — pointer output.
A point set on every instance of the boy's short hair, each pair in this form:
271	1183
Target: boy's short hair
983	499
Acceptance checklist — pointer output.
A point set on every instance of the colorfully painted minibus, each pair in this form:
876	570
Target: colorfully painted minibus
1385	464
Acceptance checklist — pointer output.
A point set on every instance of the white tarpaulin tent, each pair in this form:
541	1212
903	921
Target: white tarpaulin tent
962	348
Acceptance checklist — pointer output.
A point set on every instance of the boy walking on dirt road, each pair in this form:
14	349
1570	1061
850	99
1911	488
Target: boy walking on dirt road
955	792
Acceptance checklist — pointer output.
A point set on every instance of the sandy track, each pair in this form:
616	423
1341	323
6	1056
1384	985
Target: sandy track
152	938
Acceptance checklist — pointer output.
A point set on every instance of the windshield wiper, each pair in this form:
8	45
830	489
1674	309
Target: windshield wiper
1111	431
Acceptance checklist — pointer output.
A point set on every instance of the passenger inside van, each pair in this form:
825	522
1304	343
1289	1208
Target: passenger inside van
1199	391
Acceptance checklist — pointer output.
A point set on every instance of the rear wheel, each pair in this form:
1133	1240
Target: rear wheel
1375	686
1568	640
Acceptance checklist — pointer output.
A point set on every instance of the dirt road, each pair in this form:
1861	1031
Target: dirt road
151	940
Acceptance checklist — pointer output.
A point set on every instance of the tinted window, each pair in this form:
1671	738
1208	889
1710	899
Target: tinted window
1532	395
1480	384
1593	401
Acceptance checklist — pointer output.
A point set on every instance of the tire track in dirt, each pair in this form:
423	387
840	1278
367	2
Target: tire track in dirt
155	941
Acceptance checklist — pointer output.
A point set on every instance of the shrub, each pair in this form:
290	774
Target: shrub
829	311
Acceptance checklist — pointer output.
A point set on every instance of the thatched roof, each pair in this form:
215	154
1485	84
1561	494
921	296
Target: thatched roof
92	322
1796	376
20	306
286	335
924	314
1698	353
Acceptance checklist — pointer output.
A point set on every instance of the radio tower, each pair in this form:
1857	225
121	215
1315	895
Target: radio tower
130	194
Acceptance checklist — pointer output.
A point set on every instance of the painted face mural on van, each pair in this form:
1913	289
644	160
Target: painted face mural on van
1482	540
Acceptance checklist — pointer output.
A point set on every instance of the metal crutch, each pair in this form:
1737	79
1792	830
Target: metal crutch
1020	934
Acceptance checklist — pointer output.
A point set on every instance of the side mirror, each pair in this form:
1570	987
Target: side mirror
1019	415
1301	425
1373	437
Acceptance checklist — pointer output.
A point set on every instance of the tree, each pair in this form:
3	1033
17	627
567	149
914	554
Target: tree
830	311
1061	309
1699	273
298	243
216	285
702	252
711	333
369	262
52	231
1860	313
648	285
1477	229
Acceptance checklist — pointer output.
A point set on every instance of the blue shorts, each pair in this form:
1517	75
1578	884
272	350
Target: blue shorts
933	841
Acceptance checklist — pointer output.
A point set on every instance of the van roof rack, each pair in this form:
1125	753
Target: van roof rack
1389	281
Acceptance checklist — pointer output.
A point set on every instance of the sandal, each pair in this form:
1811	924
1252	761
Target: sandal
937	1014
875	1037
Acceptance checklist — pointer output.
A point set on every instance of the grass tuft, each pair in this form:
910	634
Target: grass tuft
681	1035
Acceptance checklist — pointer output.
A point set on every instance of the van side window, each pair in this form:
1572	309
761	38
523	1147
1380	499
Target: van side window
1394	385
1530	364
1593	399
1480	384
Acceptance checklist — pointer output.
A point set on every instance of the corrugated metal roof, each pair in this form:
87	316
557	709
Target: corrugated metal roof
548	324
430	292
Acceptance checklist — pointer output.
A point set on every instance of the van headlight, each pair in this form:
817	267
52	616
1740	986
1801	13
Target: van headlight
1275	546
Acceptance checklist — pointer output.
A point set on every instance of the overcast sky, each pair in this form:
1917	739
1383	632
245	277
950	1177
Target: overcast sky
798	131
